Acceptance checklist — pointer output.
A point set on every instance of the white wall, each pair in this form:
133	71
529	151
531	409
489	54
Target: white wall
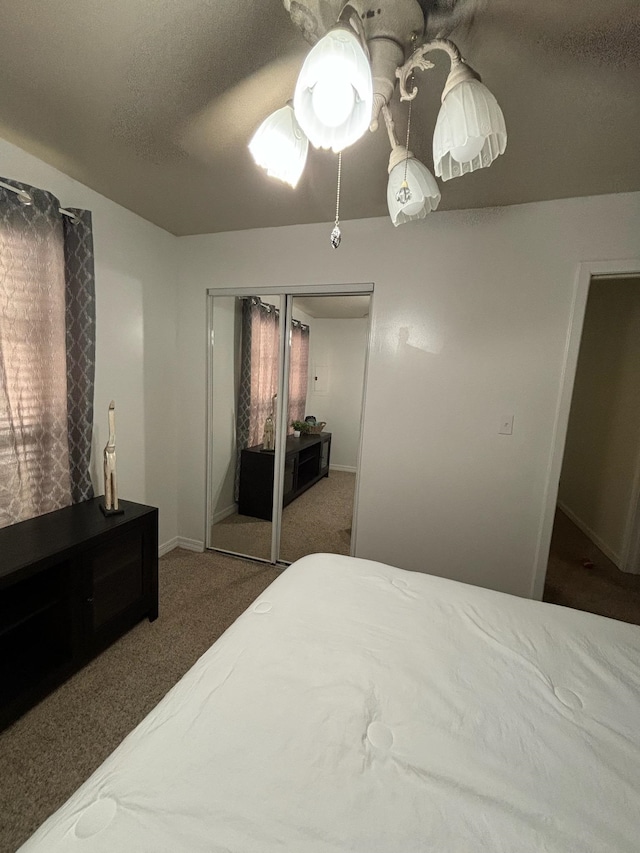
136	305
227	319
603	438
470	319
469	322
337	348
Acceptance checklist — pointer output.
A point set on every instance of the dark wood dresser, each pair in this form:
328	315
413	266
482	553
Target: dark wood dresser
71	583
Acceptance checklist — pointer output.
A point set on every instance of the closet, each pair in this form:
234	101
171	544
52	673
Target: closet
286	384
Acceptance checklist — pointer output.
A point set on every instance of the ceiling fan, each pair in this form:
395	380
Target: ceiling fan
405	25
344	88
588	28
439	17
232	117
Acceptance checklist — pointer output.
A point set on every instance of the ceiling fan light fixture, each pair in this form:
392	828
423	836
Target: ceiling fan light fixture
347	82
280	146
421	195
333	99
470	130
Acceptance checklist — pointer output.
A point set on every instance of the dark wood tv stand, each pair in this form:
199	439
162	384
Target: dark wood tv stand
306	462
71	583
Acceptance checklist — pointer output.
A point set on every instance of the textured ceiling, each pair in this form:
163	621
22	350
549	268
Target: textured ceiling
152	103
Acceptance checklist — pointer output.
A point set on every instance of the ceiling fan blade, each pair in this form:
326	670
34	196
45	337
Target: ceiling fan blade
444	17
606	33
551	17
231	119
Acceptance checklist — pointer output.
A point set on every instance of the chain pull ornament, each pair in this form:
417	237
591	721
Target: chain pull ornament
336	236
404	193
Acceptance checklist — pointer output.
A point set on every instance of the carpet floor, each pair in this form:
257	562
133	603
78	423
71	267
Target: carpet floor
319	521
580	576
54	747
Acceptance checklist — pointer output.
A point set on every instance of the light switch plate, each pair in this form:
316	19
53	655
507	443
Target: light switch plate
506	425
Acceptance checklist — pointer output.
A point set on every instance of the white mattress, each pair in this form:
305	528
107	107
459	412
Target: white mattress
359	707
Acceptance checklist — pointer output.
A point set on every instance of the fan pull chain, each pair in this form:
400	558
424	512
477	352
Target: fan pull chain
404	193
336	236
407	142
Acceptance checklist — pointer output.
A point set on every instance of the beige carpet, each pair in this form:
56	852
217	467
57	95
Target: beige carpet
580	576
319	521
53	748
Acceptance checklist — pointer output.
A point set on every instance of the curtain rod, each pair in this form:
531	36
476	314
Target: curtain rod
26	199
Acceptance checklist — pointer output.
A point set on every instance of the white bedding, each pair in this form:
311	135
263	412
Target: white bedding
360	707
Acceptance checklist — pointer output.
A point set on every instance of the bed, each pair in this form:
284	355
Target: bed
359	707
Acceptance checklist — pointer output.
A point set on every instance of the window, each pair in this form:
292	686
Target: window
36	280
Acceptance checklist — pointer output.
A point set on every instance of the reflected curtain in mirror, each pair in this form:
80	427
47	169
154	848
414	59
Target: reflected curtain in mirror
47	341
259	369
298	372
259	372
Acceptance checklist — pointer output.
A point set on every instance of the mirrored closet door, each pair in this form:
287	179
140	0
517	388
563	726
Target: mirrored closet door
245	372
326	387
286	388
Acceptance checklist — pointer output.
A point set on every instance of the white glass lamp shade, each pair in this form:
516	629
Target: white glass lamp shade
280	147
424	193
470	131
333	99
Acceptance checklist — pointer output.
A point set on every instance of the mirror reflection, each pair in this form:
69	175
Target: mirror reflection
244	386
328	343
328	389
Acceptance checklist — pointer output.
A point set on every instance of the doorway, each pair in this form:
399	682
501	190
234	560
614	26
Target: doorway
286	390
594	560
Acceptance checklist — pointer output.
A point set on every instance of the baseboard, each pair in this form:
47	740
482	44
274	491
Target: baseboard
168	546
606	550
190	544
181	542
224	513
347	468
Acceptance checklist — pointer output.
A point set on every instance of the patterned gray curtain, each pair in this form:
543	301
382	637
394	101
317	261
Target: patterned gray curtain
243	416
43	460
80	300
258	373
298	372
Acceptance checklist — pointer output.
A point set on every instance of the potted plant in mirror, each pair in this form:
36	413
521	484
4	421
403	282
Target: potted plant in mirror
299	428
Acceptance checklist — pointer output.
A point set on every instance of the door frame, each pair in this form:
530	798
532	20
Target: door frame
582	281
293	290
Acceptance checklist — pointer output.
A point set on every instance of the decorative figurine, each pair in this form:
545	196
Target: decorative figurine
110	506
269	434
